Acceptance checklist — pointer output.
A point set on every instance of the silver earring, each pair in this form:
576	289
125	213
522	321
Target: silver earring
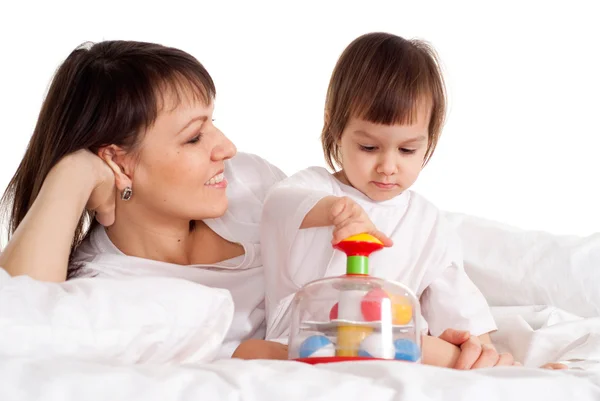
126	194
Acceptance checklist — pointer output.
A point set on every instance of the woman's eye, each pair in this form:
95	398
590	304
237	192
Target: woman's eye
195	139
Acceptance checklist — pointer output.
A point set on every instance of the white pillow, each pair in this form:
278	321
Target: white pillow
518	267
129	320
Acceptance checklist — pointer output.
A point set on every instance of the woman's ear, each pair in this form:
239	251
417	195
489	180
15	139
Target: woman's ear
117	160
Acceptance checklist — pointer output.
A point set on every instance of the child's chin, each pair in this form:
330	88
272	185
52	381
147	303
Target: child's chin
382	196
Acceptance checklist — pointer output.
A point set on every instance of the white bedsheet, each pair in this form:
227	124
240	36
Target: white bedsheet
29	379
28	372
539	334
155	339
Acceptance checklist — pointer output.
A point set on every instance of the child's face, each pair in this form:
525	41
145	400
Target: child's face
382	161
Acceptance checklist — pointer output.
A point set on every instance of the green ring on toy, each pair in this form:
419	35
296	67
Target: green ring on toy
358	248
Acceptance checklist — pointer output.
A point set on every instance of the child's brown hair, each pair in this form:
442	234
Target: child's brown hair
384	79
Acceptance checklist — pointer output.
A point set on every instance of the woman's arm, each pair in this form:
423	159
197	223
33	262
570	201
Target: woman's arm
41	244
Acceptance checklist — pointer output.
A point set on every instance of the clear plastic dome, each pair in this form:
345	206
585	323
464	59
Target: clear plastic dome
355	316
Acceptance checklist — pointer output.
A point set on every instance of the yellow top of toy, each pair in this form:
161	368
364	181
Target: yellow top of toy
363	238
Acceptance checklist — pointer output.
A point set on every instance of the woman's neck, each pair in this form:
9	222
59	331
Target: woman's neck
170	241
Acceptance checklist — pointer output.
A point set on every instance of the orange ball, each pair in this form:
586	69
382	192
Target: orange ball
402	310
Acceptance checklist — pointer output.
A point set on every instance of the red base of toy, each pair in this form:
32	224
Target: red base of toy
331	359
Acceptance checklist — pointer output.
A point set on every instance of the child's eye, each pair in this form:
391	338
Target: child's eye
407	151
367	148
195	139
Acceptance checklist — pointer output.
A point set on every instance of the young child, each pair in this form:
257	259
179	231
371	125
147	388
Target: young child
384	113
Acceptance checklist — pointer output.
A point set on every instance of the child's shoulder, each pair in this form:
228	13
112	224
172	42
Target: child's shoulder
419	200
421	205
428	214
312	177
314	171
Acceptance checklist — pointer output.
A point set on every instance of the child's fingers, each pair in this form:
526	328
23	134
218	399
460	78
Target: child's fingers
456	337
344	220
344	217
348	230
554	366
337	208
506	359
341	210
470	352
387	242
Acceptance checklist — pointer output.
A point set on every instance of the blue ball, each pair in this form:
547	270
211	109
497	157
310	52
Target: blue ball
406	350
313	344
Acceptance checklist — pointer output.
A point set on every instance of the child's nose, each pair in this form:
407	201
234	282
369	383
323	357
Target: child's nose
388	166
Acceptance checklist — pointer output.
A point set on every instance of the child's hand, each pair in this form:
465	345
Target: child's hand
474	354
348	219
261	349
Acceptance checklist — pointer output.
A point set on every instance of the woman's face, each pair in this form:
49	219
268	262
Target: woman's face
177	170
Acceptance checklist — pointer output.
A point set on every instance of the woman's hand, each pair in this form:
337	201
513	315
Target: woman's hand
79	180
103	196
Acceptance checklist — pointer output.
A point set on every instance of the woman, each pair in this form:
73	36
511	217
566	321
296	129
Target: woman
126	174
159	183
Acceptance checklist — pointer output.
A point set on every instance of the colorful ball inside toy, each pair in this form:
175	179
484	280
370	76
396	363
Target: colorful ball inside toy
316	346
371	304
333	313
406	350
402	310
376	346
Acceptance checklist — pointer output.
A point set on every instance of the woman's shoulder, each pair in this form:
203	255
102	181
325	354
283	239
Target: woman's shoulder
94	245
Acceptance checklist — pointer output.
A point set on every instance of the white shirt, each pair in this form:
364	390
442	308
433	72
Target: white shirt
426	255
249	178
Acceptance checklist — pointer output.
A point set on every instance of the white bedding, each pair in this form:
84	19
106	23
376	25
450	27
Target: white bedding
69	380
156	338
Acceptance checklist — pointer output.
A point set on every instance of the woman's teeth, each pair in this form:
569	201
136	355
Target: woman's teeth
215	180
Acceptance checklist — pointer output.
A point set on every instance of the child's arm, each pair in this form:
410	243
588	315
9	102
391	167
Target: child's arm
320	214
260	349
347	217
451	300
437	352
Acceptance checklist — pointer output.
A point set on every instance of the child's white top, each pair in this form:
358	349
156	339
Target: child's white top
426	255
249	178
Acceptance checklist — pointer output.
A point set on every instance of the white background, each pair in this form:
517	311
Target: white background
522	137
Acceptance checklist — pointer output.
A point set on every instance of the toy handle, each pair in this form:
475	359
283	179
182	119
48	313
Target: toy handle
359	245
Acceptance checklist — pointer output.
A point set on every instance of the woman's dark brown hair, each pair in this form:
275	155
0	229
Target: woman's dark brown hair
384	79
105	93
